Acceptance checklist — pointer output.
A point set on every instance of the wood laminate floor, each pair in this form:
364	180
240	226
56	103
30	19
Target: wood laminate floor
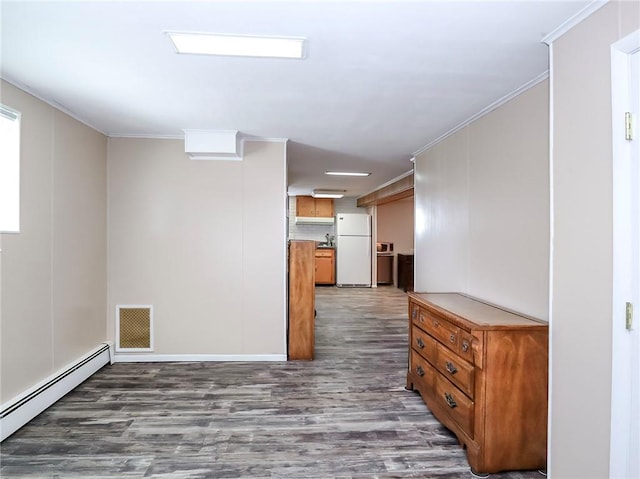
344	415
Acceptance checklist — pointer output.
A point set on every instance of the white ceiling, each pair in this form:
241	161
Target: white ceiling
381	78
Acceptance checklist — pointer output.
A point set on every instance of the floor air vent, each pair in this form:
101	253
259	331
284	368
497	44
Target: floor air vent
134	328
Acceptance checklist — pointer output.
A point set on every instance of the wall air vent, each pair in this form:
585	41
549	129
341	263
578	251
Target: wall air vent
134	328
213	144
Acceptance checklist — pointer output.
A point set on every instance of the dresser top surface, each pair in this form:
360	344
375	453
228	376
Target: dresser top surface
475	311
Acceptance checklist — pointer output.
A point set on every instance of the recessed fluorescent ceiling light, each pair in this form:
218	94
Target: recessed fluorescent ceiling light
237	45
346	173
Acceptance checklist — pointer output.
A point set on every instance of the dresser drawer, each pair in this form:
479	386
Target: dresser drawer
439	328
424	344
422	370
458	406
455	369
328	253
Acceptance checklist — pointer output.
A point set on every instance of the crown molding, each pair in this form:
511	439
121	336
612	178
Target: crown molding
493	106
181	137
571	22
51	103
269	140
149	136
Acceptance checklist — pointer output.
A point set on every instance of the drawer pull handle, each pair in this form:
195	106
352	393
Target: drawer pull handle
436	323
414	313
465	346
452	338
421	319
451	367
450	401
420	371
420	343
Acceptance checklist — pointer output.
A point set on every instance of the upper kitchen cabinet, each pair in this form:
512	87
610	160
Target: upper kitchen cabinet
324	207
310	207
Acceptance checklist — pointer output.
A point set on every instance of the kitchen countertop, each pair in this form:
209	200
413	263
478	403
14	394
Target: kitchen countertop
319	244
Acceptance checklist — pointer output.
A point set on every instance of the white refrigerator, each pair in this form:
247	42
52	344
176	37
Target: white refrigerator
353	250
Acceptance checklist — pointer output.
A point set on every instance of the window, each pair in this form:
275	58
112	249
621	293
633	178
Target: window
9	170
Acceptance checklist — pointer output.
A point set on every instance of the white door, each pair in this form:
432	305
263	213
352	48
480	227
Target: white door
625	388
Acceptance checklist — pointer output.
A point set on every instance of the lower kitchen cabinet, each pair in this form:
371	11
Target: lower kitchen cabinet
325	266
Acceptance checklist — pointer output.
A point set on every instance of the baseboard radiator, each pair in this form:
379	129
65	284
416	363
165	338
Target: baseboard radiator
20	410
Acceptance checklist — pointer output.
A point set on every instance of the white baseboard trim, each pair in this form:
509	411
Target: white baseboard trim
158	358
18	411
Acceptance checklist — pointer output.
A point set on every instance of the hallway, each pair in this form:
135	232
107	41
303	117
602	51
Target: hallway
345	415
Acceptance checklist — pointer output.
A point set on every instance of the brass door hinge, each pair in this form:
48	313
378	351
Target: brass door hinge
629	316
627	126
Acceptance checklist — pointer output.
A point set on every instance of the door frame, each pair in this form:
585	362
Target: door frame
624	372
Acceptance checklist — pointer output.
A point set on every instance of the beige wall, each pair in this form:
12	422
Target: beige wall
482	208
441	190
53	307
395	225
203	241
582	260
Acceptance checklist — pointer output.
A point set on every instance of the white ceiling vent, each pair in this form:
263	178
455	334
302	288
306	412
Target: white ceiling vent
213	144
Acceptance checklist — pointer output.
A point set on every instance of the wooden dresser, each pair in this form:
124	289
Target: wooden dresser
482	371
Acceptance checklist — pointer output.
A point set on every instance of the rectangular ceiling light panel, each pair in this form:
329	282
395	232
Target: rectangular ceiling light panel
346	173
328	193
237	45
